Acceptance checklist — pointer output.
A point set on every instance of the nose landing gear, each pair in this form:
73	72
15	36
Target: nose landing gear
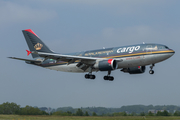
151	71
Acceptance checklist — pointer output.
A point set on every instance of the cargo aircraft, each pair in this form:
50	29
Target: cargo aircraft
131	59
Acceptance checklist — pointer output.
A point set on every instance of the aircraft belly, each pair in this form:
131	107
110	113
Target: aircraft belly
155	58
149	59
66	68
143	60
131	61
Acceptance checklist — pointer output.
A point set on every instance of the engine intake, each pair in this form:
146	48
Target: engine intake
134	70
106	65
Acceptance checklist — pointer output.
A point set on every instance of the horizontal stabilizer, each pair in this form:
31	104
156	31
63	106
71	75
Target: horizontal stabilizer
36	61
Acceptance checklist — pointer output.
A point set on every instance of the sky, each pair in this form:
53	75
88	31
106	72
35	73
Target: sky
76	25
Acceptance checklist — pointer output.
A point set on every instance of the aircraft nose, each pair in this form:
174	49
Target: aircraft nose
172	52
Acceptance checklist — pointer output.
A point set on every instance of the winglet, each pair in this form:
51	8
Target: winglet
28	52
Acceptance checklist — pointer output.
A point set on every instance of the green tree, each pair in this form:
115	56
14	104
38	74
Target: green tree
28	110
124	113
9	108
120	114
94	114
57	113
177	113
142	114
164	113
150	114
133	114
159	113
86	114
69	113
79	112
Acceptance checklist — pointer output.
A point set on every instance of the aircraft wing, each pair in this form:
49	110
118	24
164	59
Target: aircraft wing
67	58
36	61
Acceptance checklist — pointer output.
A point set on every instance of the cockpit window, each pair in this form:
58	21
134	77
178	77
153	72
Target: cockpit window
160	47
166	47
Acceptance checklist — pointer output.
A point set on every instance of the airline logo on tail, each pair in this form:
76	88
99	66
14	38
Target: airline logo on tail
38	46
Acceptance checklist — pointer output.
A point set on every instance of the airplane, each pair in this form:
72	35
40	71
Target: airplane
131	59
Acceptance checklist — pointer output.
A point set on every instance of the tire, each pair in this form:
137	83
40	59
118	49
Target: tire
111	78
106	77
92	76
87	76
151	72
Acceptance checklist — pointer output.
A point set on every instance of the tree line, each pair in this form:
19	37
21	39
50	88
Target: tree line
79	112
13	108
130	110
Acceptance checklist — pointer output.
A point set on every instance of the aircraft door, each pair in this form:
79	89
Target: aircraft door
149	49
149	55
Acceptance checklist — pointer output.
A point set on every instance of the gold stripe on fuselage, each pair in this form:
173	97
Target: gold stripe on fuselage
145	53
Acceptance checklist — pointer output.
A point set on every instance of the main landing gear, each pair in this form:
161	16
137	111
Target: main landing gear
90	75
151	71
108	77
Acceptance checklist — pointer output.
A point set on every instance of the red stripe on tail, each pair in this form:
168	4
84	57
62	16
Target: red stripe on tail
29	30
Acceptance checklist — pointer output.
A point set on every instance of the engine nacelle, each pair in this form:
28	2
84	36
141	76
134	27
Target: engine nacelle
134	70
106	65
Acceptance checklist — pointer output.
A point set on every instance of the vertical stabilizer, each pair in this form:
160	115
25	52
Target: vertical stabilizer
35	43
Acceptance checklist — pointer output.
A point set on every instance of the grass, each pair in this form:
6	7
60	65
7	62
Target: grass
22	117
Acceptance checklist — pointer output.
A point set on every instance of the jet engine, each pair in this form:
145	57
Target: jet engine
134	70
106	65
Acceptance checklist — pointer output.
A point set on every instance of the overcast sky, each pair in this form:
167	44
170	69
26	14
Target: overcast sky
77	25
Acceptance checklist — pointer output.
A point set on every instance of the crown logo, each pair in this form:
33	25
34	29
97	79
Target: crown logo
38	46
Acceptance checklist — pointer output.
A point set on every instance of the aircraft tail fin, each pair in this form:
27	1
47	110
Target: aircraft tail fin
35	43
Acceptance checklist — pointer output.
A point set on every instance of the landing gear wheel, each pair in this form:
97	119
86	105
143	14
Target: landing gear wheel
111	78
106	77
87	76
151	72
92	76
